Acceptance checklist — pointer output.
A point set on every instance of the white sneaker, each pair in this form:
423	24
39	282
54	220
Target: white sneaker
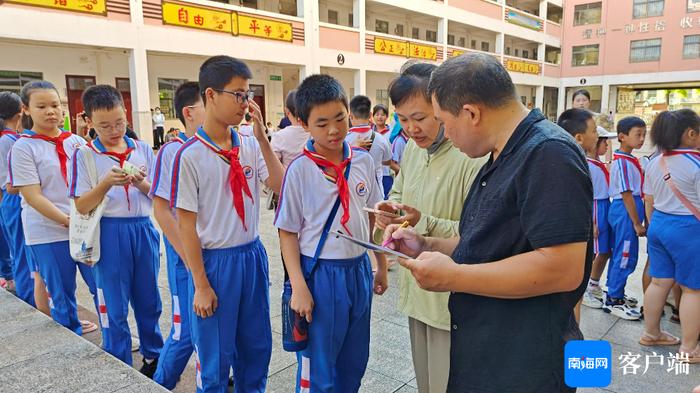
590	300
597	292
622	311
629	300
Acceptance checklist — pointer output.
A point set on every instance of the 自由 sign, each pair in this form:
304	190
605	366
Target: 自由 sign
419	51
390	47
522	66
254	26
98	7
199	18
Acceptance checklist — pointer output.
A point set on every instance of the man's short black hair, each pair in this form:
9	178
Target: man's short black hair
185	95
625	125
290	102
574	121
472	78
218	71
101	97
361	107
669	127
413	81
317	90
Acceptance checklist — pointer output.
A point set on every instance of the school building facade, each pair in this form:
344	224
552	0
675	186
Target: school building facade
146	48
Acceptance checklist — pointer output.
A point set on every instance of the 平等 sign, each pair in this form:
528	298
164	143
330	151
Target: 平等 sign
97	7
199	18
271	29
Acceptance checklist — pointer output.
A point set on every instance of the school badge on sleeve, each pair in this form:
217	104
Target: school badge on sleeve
361	189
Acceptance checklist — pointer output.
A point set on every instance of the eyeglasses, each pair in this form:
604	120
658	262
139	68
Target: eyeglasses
119	125
241	96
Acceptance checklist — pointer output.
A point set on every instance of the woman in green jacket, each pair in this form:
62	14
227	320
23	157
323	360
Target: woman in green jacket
429	193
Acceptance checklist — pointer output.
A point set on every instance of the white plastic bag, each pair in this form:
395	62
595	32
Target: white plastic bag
84	229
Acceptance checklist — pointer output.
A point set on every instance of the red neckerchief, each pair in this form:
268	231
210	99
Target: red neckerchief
338	177
602	168
8	132
120	157
676	152
60	150
361	129
236	178
634	161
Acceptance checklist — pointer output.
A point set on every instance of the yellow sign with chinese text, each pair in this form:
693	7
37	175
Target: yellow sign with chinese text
254	26
199	17
456	53
98	7
390	47
522	66
419	51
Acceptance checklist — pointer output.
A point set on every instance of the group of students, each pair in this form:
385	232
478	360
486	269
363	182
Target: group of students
662	203
204	189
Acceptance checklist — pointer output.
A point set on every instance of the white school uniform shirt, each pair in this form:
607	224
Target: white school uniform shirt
600	178
138	204
398	146
6	142
34	161
200	185
386	169
288	143
380	150
161	174
305	213
684	167
624	176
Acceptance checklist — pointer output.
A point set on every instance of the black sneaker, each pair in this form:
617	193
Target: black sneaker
230	381
148	369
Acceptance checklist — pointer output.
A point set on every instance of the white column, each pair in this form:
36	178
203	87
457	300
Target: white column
311	32
443	31
140	101
543	10
539	97
605	98
500	44
360	82
359	9
561	100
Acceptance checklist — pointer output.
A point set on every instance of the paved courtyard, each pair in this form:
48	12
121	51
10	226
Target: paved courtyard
390	367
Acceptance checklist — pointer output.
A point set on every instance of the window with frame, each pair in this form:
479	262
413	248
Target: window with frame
507	50
166	95
450	39
647	8
383	97
431	35
691	47
462	42
351	20
398	30
473	44
415	33
645	50
381	26
526	54
516	52
693	5
485	46
14	80
585	55
588	14
333	17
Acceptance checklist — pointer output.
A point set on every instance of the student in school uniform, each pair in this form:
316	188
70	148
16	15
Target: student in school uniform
216	189
337	299
10	207
38	167
672	183
288	143
379	114
362	135
178	347
127	271
602	233
626	217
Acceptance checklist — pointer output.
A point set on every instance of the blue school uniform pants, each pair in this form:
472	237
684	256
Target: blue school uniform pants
11	212
673	248
336	357
5	254
178	346
239	334
601	209
128	272
625	249
58	270
387	183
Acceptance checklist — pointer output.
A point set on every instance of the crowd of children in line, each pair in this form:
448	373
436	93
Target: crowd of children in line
204	188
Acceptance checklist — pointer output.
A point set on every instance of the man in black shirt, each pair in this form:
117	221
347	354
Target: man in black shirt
523	256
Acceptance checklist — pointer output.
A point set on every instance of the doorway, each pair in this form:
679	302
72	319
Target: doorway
76	85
